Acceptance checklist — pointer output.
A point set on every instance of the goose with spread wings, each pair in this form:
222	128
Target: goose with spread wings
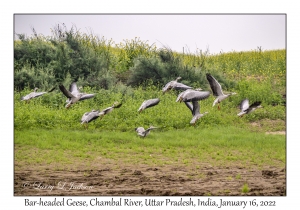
194	106
94	114
142	132
217	90
111	108
191	93
90	116
175	85
148	103
74	95
34	94
191	99
246	108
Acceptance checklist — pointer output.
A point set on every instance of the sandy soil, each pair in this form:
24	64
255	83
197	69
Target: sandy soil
151	181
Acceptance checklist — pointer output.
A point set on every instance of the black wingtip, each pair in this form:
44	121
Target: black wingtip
51	89
256	103
119	105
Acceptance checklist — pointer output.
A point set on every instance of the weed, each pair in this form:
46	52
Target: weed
245	188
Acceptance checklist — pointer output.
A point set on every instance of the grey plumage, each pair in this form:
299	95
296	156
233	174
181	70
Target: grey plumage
94	114
192	95
175	85
90	116
191	98
74	95
217	90
111	108
246	108
195	96
142	132
148	103
195	109
35	94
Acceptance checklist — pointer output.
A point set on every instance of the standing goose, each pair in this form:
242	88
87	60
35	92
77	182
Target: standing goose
142	132
34	94
74	95
217	90
246	109
148	103
175	85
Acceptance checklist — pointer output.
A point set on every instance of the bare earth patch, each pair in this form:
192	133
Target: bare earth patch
276	132
138	180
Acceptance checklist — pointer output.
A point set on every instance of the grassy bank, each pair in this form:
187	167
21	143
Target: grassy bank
219	146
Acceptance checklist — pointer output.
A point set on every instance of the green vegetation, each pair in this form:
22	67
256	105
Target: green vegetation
216	146
245	188
131	72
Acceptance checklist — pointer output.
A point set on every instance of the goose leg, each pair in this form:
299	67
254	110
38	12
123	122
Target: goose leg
218	106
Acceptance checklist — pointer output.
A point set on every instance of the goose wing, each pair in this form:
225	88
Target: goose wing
196	108
90	116
152	102
140	129
37	94
86	96
167	86
196	96
51	90
180	86
149	103
214	85
189	105
85	117
255	104
65	92
28	96
182	94
118	105
73	88
244	105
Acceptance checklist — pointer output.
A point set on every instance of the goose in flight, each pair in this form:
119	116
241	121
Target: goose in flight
217	90
90	116
94	114
246	108
195	109
175	85
34	94
111	108
142	132
148	103
74	95
191	98
195	94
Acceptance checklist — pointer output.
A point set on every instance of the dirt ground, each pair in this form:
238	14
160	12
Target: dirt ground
139	180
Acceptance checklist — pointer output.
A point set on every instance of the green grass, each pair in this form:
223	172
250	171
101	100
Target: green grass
221	146
245	188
